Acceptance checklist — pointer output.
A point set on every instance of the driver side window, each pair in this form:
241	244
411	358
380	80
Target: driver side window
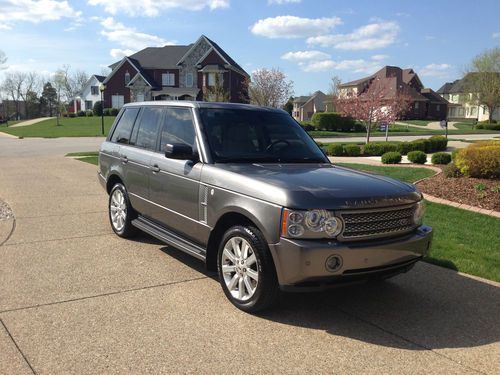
178	127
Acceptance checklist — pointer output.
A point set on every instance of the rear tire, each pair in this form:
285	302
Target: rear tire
246	269
120	212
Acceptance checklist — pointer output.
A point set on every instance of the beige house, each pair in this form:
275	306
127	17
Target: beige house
460	104
304	107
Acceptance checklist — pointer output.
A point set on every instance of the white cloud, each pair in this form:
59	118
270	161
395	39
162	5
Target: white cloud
495	35
34	11
129	38
435	70
281	2
153	8
372	36
305	56
355	66
379	57
429	37
289	27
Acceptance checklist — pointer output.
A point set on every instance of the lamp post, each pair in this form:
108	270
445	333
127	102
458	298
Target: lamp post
102	87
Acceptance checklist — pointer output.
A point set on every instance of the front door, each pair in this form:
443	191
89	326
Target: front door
174	184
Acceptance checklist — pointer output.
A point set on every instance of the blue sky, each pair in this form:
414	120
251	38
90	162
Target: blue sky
310	40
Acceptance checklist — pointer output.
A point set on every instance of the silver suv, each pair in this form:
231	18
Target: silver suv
246	190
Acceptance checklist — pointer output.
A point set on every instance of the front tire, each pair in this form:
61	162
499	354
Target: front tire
246	269
121	212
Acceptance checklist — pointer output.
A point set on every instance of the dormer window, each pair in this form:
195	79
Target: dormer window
127	77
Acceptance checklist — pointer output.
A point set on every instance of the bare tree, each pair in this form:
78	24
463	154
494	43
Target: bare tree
3	60
69	84
270	87
334	90
13	86
217	92
483	81
30	89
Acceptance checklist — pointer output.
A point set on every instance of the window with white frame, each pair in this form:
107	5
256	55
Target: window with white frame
416	105
189	80
168	79
211	79
127	78
94	90
438	108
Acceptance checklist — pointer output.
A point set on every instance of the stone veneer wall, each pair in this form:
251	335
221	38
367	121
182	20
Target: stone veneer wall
189	64
139	87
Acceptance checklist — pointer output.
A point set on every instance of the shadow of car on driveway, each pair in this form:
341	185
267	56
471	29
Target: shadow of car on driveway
427	308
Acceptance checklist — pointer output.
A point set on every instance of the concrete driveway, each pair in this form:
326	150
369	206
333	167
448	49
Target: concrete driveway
74	298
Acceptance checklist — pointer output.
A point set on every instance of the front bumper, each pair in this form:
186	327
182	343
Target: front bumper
303	262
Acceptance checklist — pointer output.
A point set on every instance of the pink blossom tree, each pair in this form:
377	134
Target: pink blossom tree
374	106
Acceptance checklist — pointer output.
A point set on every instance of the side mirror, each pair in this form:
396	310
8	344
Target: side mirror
180	151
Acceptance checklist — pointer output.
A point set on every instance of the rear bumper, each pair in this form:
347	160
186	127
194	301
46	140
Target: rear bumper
304	262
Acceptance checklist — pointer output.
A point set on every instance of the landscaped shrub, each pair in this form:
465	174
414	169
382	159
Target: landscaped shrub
454	154
451	170
72	115
441	158
438	143
480	126
392	157
417	157
379	148
90	113
307	126
491	126
480	159
332	121
113	112
98	108
106	112
352	150
417	145
359	127
403	148
335	149
488	122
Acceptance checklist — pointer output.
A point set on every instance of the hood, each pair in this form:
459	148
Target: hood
306	186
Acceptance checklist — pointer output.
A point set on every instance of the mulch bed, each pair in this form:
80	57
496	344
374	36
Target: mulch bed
463	190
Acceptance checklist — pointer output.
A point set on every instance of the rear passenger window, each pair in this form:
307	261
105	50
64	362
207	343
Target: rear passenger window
145	132
124	127
178	127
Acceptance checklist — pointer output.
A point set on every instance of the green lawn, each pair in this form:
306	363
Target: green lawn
91	157
463	240
417	122
401	173
69	127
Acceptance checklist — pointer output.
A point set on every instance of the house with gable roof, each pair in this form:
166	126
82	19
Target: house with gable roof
304	107
390	81
175	72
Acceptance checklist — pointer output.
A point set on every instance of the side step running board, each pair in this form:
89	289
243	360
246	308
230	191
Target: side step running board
169	237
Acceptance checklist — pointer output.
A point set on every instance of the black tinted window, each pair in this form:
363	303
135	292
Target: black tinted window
124	127
238	135
145	132
178	128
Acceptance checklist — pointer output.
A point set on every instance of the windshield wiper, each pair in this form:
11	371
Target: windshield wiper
263	159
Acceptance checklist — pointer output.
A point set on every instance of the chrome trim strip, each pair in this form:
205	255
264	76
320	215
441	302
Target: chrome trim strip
168	209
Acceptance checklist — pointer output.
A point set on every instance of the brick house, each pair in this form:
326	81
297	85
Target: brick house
306	106
198	71
391	81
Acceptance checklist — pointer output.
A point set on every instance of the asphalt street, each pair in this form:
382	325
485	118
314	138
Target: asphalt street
76	299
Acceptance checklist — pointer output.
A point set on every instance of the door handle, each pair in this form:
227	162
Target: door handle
155	168
124	159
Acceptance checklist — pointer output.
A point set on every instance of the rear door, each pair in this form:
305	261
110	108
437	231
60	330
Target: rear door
174	184
137	155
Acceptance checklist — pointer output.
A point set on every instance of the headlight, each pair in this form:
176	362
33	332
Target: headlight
310	224
418	215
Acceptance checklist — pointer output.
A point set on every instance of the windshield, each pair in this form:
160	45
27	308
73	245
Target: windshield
243	136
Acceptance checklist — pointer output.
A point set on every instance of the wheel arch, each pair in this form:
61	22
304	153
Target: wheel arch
225	221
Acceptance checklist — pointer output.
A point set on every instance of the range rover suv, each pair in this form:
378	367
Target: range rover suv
246	190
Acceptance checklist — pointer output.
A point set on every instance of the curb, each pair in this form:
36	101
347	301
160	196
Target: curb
462	206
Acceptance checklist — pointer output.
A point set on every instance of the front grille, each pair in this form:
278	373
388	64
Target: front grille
377	223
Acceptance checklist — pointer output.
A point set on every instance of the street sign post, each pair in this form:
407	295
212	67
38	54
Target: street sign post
444	125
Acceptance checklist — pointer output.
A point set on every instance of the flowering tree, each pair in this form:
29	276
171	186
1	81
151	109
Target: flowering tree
374	107
270	88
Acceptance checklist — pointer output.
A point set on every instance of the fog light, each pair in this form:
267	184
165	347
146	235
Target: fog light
333	263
